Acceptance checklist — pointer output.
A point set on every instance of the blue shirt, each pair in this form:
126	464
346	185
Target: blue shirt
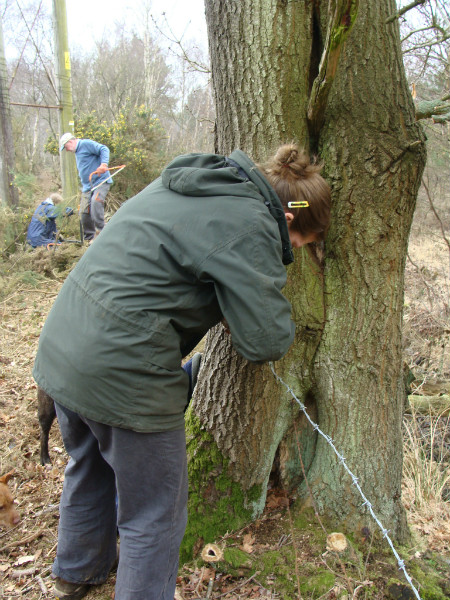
42	228
90	155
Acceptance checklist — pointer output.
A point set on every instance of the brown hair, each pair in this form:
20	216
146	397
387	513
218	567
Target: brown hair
295	178
56	198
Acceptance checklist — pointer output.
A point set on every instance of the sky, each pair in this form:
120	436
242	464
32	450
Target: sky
90	20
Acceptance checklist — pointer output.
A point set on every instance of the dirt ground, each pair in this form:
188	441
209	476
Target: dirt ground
28	550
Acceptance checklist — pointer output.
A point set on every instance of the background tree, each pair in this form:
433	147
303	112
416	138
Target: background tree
426	52
8	192
425	34
111	77
282	71
129	68
31	81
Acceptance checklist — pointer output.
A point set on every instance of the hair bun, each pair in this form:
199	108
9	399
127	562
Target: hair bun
296	160
290	163
287	154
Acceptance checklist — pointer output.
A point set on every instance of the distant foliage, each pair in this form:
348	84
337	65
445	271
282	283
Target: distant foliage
14	222
136	138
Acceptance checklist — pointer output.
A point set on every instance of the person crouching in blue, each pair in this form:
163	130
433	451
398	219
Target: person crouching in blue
42	228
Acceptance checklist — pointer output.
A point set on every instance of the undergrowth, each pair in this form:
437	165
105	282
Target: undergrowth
285	553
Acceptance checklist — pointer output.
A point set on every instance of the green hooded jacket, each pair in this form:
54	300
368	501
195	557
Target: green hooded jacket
205	241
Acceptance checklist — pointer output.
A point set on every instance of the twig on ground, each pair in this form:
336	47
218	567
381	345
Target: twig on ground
25	540
239	585
41	584
210	588
200	581
19	573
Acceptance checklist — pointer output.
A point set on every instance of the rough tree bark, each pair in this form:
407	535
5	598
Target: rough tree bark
345	364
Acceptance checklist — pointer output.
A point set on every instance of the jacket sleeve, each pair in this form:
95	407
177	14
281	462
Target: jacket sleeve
104	154
248	276
100	150
51	211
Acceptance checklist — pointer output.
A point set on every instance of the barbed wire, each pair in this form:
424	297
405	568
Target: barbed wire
384	531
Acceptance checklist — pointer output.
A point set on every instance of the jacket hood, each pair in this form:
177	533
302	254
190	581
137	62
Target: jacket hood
236	175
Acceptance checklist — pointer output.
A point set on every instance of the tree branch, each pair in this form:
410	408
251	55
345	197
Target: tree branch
416	31
428	44
195	65
339	27
25	45
438	110
441	118
405	9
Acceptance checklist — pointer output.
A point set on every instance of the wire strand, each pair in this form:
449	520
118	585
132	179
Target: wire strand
384	531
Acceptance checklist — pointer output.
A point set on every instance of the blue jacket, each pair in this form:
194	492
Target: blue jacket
90	155
42	228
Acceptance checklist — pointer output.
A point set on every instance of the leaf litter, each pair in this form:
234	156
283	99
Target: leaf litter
27	551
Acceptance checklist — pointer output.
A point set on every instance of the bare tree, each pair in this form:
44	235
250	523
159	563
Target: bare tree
426	51
8	191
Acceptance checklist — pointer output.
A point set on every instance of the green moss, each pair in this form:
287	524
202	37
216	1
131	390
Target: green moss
432	592
303	517
216	503
317	584
277	571
430	581
340	33
237	558
278	567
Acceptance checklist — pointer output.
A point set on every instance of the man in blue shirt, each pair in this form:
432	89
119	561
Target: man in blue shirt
91	157
42	228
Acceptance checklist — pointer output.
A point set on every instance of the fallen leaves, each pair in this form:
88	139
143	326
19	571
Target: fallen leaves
276	499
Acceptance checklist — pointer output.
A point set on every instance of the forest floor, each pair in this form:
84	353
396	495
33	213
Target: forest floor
286	553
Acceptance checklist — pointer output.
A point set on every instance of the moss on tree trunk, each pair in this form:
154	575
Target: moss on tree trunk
345	364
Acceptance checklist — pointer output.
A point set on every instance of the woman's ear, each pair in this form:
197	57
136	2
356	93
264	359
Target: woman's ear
289	217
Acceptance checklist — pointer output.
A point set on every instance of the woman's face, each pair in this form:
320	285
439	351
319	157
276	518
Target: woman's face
297	239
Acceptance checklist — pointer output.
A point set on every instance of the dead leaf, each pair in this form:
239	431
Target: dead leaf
207	574
178	595
23	560
247	543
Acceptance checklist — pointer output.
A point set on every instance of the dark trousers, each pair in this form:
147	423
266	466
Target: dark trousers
149	472
92	211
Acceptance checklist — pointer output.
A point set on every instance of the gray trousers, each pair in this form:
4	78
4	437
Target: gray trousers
92	211
149	473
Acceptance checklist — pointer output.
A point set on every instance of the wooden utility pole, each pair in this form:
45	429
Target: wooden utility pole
8	192
64	84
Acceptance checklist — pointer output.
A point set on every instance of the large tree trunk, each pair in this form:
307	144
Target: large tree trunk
345	364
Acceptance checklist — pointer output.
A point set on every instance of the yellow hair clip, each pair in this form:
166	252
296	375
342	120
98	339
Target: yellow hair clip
298	204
